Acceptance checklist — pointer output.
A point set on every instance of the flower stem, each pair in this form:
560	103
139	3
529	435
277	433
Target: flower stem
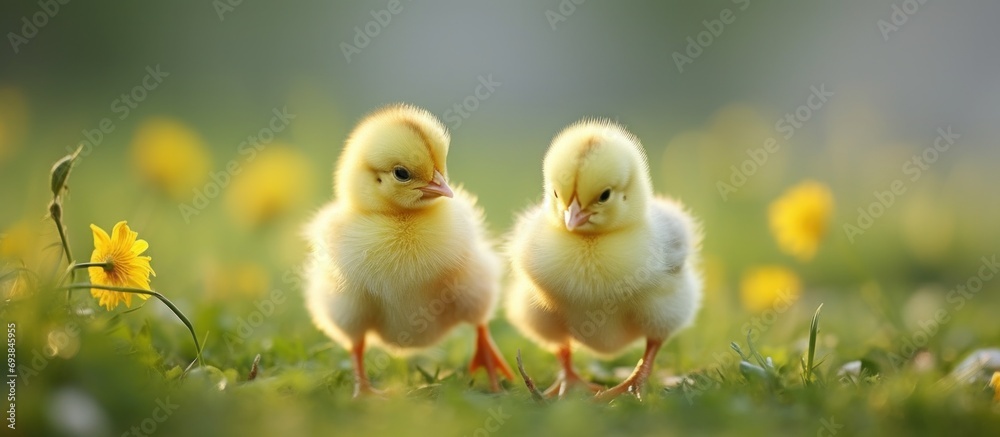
76	266
86	265
55	210
62	238
159	296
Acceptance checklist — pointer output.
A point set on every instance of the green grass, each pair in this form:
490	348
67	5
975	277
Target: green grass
85	371
128	362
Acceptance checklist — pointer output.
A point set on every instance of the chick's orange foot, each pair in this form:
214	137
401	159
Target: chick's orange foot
634	383
365	390
488	357
564	384
568	379
362	386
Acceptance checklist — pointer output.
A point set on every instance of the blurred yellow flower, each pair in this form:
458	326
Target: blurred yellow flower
769	287
126	267
799	218
29	244
19	241
170	156
13	119
995	383
19	247
270	185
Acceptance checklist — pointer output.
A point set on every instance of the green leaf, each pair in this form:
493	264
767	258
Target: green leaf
60	172
430	379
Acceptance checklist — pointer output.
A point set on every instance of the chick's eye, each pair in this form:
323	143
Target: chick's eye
401	174
605	195
554	193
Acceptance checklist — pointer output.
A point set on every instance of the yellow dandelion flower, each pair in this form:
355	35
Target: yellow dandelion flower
995	383
126	267
799	218
769	287
171	157
270	185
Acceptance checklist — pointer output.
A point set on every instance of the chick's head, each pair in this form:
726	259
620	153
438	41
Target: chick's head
395	160
596	178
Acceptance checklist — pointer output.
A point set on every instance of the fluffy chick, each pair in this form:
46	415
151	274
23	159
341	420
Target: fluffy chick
601	262
399	254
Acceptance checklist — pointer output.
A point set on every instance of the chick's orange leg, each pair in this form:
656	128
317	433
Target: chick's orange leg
362	386
633	384
488	357
568	377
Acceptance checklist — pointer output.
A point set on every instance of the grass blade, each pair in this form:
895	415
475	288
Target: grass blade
811	354
739	350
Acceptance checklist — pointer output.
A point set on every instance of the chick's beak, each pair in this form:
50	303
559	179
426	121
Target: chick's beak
574	216
437	187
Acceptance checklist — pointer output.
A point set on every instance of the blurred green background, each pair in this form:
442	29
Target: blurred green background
896	78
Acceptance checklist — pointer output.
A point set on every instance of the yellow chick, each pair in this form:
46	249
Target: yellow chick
601	262
399	254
